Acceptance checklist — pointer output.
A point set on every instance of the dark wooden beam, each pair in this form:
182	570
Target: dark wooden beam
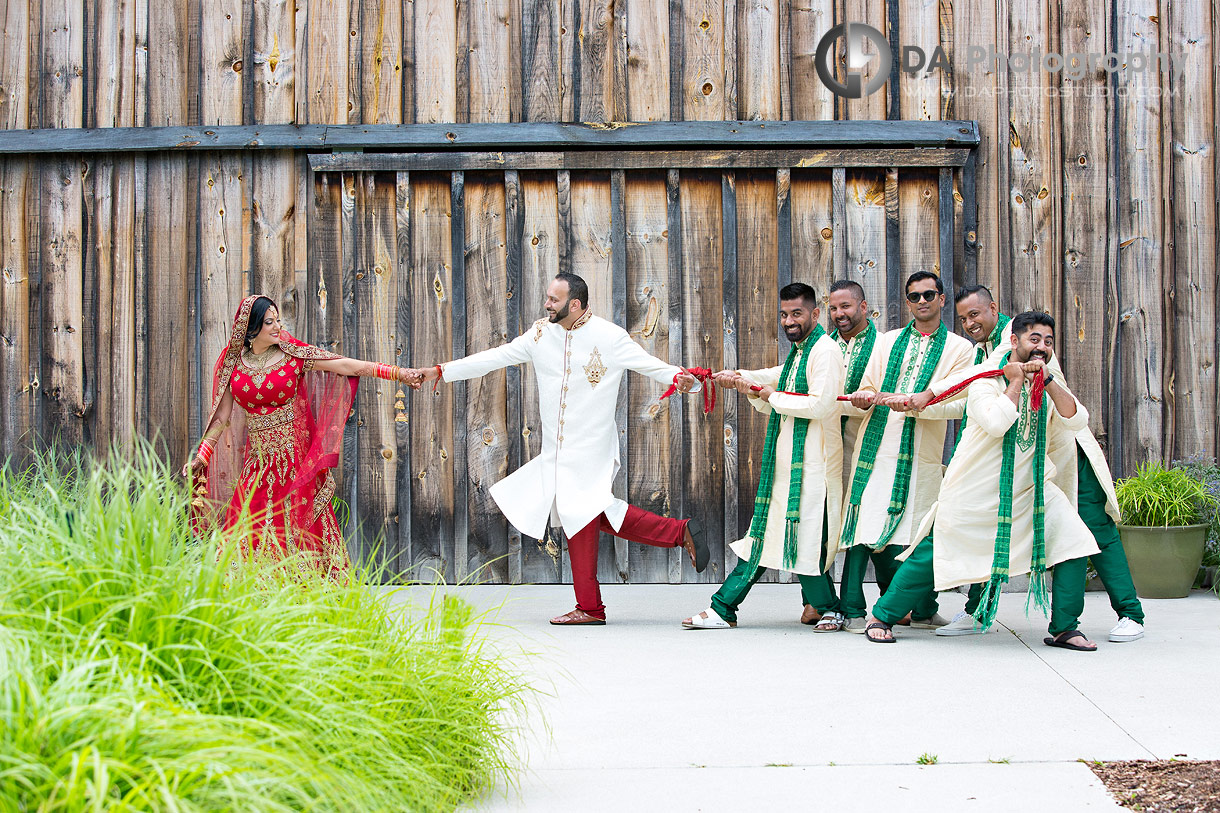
519	136
639	159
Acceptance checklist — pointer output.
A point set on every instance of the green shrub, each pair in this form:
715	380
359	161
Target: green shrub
139	670
1205	470
1161	497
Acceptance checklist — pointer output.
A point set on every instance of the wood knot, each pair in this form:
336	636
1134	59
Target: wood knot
387	453
488	436
827	233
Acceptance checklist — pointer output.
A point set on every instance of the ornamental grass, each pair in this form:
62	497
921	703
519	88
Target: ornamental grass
140	671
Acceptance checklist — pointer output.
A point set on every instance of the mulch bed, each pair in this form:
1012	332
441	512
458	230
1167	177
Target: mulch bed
1172	786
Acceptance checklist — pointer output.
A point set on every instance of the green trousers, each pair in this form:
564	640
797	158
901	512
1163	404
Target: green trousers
915	578
851	585
1110	561
816	590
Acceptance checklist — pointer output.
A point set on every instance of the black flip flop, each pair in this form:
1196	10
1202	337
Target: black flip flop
880	625
702	553
1061	640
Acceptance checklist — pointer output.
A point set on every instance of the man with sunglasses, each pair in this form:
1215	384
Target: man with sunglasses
896	462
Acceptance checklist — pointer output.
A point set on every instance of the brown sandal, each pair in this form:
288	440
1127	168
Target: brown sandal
576	618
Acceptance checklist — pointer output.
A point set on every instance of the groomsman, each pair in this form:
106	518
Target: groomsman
795	526
1081	472
896	463
998	514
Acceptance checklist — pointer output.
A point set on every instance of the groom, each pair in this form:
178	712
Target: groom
579	360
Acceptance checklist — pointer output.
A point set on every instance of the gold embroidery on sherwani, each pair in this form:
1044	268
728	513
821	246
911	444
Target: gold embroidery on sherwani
595	369
538	329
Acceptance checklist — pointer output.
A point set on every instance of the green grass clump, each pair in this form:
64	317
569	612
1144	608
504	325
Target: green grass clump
140	671
1159	497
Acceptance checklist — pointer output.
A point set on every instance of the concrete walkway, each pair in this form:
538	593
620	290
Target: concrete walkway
644	715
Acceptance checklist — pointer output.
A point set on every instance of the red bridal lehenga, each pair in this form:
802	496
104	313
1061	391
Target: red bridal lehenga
276	454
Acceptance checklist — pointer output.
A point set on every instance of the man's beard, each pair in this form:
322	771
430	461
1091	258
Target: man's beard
560	315
800	329
852	324
1033	354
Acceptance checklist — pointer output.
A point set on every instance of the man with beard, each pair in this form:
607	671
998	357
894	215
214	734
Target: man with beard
1083	475
796	509
896	465
579	360
999	513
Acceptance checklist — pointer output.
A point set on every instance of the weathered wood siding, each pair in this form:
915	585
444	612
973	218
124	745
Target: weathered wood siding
1094	197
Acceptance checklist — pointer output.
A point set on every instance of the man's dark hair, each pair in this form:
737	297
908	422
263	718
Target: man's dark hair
577	287
1022	322
799	290
857	290
922	275
971	290
258	312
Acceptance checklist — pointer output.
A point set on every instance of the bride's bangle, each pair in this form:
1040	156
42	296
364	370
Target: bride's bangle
386	372
205	450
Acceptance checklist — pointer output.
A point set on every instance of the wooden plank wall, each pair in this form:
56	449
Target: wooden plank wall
119	275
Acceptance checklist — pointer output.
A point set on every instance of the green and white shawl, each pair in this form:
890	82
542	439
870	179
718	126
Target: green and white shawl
1029	429
874	431
798	357
861	352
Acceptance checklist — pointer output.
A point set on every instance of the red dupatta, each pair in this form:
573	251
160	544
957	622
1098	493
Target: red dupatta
323	402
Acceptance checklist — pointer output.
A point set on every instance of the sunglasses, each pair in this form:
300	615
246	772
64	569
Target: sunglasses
926	296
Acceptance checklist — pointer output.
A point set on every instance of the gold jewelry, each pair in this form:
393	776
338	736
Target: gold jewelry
261	358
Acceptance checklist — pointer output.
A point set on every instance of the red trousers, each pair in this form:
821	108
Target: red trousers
638	526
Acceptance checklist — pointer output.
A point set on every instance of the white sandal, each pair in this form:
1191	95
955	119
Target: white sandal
829	619
709	619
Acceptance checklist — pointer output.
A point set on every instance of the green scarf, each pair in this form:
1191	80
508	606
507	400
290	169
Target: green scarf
980	355
990	601
798	356
874	430
861	353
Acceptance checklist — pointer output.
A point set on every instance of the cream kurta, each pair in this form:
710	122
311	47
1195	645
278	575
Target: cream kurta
821	484
929	441
966	515
1063	454
578	373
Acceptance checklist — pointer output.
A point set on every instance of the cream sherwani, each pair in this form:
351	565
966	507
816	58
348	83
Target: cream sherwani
966	515
578	373
821	485
929	441
1063	453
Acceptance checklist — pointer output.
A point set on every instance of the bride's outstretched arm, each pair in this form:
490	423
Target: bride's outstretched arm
356	367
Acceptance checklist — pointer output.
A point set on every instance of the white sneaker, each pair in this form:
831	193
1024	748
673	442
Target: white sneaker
962	624
1126	630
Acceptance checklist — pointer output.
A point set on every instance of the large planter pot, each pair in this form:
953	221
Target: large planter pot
1164	561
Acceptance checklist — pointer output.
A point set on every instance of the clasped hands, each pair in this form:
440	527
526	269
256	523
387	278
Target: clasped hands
416	377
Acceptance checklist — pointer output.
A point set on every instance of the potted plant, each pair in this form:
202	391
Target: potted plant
1164	528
